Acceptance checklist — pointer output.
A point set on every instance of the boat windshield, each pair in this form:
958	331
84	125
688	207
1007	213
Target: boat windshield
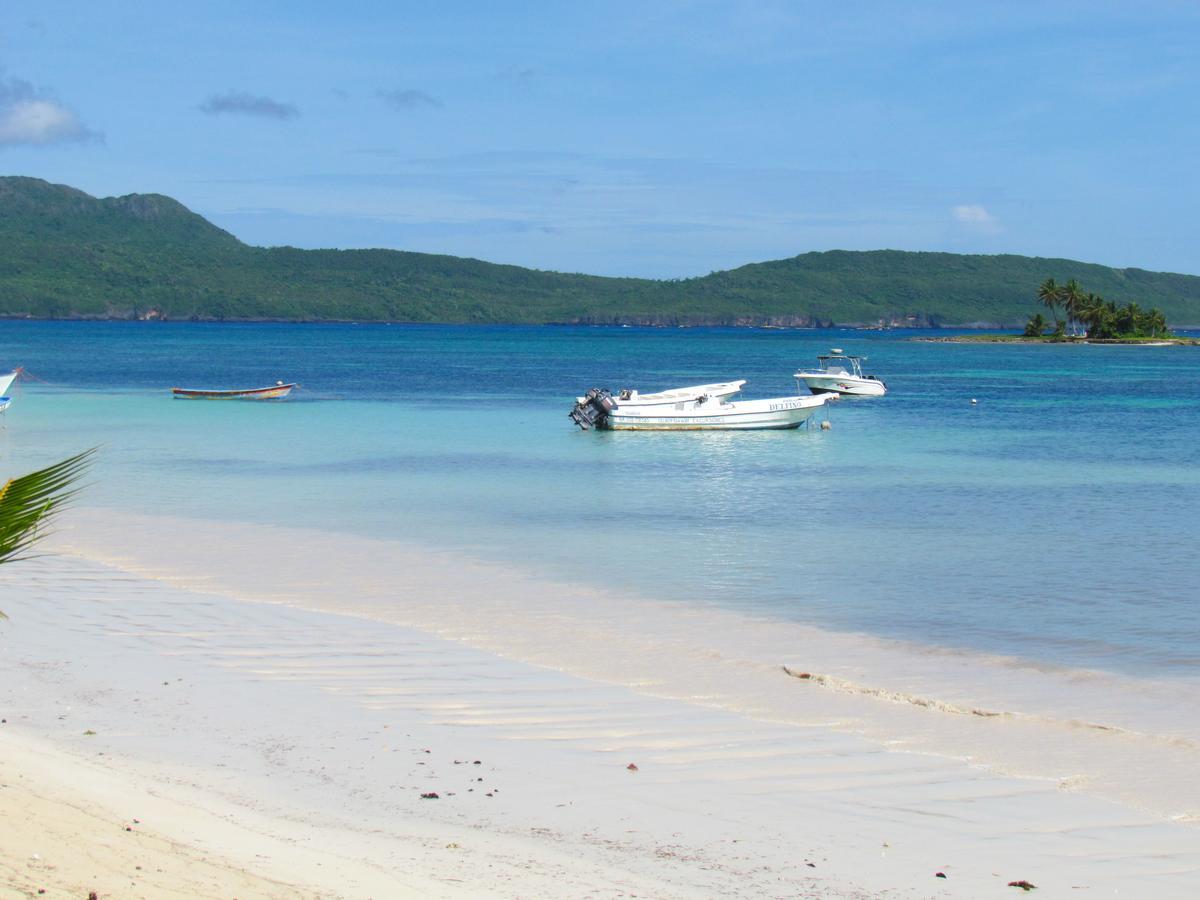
841	365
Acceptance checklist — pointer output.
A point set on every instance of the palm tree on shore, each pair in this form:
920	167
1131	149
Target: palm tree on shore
1051	295
1091	313
1103	319
29	502
1071	295
1129	319
1156	322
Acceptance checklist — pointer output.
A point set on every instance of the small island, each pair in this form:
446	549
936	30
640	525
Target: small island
1086	318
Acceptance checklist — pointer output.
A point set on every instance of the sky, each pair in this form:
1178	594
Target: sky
659	139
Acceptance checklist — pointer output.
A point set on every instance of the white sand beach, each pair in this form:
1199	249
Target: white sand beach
202	709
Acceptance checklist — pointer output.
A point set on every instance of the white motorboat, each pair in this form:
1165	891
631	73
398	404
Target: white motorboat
701	407
838	373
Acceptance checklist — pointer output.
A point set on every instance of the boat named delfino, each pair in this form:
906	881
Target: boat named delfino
702	407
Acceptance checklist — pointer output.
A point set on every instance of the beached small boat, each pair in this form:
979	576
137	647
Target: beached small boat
841	374
702	407
277	391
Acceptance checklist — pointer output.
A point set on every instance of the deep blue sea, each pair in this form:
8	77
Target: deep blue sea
1055	519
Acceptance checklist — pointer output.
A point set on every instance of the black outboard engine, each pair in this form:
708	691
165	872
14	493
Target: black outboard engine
592	411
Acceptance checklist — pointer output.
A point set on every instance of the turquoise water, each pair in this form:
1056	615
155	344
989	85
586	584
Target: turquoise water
1054	520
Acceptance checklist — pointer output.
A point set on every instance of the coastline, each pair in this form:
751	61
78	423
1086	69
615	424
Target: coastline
1022	339
264	692
977	331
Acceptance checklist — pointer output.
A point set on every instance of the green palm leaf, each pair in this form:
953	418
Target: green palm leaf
29	501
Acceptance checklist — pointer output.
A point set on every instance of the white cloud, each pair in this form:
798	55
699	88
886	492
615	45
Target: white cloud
974	215
975	219
27	116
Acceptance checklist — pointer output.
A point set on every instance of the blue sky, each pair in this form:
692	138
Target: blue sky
658	139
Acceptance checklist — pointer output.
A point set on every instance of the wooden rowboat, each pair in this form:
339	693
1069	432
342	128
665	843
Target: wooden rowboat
277	391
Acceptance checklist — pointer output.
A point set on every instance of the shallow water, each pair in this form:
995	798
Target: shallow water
1053	520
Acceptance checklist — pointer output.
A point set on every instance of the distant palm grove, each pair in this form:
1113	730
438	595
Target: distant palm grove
1102	319
66	254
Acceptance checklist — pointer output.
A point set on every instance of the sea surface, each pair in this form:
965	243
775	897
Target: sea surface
1053	520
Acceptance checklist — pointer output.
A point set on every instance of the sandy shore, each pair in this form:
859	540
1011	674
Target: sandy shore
257	744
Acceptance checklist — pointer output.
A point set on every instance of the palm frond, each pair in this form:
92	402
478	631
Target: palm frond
29	501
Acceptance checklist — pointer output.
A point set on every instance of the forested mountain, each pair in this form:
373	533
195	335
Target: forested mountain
64	253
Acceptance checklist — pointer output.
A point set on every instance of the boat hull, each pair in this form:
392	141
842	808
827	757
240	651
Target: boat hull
842	384
275	392
746	415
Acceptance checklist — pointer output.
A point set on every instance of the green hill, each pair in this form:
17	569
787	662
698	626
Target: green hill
64	253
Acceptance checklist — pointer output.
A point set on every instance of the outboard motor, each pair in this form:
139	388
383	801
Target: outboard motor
593	409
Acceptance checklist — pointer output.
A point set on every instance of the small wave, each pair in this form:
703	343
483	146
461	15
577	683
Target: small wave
849	687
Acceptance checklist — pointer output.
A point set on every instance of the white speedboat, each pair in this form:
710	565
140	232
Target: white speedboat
702	407
841	374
